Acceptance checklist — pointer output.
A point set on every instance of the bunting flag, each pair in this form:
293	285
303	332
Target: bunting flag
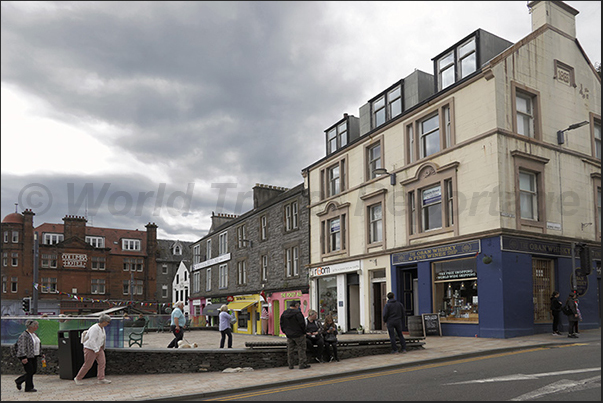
49	290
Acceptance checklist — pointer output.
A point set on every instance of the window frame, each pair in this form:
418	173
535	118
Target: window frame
241	236
291	213
388	100
338	139
371	160
197	253
50	238
263	227
131	244
535	98
342	163
208	279
595	121
413	134
98	286
596	177
208	249
533	164
96	241
223	243
264	268
242	272
223	276
427	176
332	211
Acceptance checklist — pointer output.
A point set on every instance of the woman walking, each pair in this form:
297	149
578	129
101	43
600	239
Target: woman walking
94	350
28	351
224	326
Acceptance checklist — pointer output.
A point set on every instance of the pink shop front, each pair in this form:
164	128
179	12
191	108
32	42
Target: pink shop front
277	302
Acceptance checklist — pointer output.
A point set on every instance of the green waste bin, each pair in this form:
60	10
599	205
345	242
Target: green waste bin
71	354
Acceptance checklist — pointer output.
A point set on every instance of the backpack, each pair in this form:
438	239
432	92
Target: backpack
567	310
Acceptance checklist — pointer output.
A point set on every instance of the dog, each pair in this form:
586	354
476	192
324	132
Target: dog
184	344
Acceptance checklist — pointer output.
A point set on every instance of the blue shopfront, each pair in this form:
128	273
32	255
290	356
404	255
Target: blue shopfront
497	286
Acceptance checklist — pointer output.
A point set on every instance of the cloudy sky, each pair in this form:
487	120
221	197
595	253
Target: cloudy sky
136	112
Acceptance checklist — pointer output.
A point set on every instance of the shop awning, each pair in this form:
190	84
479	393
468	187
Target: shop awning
240	305
212	310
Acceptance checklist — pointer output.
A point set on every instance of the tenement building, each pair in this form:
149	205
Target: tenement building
471	192
80	269
255	262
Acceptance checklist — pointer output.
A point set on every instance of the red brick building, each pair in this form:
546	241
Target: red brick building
81	269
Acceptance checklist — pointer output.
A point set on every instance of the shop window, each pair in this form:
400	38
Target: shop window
327	297
543	284
455	290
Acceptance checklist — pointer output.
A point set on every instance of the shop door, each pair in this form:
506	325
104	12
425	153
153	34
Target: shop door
276	318
379	301
408	276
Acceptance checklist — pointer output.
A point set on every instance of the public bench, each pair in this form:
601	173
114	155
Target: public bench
411	343
135	336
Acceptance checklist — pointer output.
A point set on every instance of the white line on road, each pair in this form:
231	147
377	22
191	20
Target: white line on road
564	386
524	377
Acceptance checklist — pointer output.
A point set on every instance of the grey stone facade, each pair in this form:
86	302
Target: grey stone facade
270	203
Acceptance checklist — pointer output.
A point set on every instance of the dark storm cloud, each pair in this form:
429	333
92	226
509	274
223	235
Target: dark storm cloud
216	84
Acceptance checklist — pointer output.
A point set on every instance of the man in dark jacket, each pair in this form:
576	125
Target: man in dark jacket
393	315
293	324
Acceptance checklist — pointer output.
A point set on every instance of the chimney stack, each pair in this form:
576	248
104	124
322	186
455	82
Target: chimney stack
555	13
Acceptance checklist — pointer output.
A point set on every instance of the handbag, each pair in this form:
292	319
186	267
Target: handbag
330	337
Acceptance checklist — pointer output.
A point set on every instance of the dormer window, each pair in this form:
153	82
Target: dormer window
456	64
177	250
96	241
130	244
51	239
387	105
337	137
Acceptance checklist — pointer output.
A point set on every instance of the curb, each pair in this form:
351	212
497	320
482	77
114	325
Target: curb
360	371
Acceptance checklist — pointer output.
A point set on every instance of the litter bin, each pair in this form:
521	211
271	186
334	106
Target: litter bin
71	354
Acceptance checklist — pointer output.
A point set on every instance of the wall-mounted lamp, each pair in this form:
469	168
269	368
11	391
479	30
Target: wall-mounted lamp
487	259
560	133
463	286
383	171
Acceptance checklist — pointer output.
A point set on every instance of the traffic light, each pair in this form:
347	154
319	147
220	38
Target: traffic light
585	261
26	304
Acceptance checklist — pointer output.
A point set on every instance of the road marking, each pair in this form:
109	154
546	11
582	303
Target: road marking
525	377
311	384
563	385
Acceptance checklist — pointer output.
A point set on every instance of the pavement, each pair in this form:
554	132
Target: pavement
210	384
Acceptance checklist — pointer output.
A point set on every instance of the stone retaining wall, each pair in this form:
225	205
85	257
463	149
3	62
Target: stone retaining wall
128	361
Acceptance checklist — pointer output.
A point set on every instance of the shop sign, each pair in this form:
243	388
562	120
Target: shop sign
241	298
291	294
230	298
454	274
335	269
581	282
457	249
74	259
433	195
524	245
210	262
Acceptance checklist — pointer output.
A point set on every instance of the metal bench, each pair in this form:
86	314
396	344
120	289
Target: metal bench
135	337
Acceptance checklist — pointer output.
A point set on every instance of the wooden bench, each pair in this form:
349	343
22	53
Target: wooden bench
411	343
135	336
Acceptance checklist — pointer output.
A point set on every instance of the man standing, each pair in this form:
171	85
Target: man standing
393	316
177	324
293	325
